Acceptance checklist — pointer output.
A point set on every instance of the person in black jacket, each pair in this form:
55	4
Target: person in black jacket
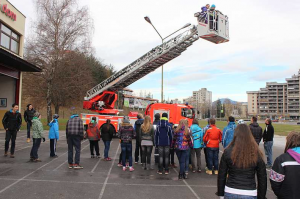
155	124
256	130
268	142
28	115
138	147
107	132
285	174
12	122
241	160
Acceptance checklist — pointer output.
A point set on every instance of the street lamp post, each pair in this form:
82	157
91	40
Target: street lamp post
162	41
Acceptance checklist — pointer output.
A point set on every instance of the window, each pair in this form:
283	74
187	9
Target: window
9	39
189	113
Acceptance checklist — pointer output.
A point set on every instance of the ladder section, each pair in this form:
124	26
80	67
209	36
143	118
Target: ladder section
146	64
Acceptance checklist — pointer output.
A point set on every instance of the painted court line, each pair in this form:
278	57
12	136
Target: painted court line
96	165
191	189
106	180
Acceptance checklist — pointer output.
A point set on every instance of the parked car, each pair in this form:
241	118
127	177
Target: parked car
298	123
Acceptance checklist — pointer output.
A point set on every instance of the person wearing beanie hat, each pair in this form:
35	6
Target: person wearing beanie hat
163	140
28	115
53	135
37	136
126	134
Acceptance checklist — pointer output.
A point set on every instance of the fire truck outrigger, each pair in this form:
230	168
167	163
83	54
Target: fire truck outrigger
102	97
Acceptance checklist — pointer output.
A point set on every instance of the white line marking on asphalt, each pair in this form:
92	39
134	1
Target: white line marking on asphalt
96	165
5	171
67	160
105	182
192	190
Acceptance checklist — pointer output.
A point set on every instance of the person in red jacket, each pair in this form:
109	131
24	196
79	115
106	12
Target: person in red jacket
93	134
212	138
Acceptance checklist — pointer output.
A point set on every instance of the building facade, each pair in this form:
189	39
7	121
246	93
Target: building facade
276	100
202	96
12	64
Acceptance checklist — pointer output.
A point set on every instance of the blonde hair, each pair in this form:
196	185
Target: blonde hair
146	125
183	123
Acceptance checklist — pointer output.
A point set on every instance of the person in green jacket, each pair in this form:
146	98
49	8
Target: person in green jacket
37	135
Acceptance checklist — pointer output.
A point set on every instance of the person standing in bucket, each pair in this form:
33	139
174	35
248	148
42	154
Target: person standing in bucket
37	136
28	115
12	121
53	135
74	135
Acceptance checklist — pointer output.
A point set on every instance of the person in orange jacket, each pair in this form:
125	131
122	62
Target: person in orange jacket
212	138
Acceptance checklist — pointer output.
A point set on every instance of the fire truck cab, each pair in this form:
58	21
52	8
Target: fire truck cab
175	112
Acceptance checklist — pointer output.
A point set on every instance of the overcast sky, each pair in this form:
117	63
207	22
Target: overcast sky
264	43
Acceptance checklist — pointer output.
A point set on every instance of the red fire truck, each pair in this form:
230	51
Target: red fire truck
102	97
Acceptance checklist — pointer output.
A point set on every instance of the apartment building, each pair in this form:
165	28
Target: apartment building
276	99
202	96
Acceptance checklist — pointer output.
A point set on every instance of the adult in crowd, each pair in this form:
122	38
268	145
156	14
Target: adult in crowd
138	147
93	134
212	138
163	140
204	145
12	121
285	173
188	160
182	141
28	116
172	150
197	134
74	135
228	132
107	133
256	130
268	136
126	134
147	140
37	136
53	135
240	161
155	123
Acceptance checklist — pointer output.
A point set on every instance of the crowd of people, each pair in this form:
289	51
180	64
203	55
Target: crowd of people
241	170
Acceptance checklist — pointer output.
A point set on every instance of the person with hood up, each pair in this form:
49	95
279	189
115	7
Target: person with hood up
53	135
182	142
93	134
12	121
197	134
256	130
107	133
37	136
285	173
74	135
126	134
163	140
268	136
138	147
228	132
28	115
155	123
212	138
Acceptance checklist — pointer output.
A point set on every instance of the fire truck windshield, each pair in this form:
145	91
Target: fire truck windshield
186	112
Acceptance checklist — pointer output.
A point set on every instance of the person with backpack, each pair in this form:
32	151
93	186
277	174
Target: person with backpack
197	134
213	137
163	140
107	133
242	171
285	173
28	115
53	135
147	140
126	134
93	134
37	136
228	132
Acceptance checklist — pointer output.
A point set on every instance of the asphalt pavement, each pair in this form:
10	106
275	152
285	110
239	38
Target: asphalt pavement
51	178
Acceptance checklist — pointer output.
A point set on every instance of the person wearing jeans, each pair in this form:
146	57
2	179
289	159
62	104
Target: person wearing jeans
126	134
147	140
38	135
268	136
138	147
182	155
163	140
197	134
212	138
93	134
28	115
107	132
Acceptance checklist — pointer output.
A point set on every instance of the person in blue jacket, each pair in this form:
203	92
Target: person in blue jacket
53	135
228	132
197	134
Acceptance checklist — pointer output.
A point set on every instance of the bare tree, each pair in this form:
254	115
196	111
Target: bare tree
61	27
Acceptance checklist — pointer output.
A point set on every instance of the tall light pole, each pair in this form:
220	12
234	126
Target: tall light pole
162	41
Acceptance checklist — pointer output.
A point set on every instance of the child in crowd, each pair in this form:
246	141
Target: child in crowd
93	134
53	135
37	135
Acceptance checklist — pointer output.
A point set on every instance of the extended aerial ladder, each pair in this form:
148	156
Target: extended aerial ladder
102	97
